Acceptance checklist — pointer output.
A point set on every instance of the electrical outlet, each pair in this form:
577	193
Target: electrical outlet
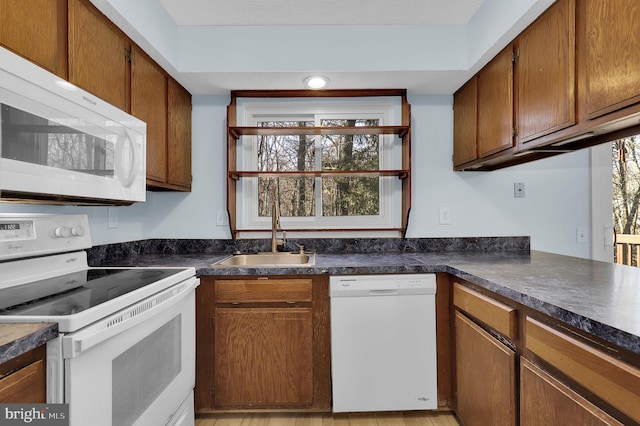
221	218
445	216
518	190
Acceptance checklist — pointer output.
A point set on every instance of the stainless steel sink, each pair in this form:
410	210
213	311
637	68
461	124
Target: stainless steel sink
268	259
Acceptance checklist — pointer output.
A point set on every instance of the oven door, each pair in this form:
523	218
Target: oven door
135	367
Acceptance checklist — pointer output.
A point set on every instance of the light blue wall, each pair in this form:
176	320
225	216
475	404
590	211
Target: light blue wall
481	204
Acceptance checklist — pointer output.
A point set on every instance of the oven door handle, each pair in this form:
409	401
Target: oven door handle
75	343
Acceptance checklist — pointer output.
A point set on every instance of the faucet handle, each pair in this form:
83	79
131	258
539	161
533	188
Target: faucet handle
301	248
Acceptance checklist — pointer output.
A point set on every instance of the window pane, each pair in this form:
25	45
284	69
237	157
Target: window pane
345	196
295	196
285	153
350	152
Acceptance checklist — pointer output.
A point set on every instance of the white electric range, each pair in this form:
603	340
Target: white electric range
126	350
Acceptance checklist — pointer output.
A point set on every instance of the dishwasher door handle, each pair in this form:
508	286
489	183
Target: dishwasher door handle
389	292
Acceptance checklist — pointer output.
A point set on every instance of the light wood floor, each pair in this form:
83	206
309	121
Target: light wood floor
327	419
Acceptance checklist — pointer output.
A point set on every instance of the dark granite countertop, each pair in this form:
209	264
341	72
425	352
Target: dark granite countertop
16	339
600	298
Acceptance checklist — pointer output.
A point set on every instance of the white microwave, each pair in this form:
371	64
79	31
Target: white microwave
59	143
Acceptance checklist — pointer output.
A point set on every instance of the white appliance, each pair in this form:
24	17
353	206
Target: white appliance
60	143
126	350
383	342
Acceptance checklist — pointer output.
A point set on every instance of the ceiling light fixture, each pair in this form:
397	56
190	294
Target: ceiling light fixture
316	82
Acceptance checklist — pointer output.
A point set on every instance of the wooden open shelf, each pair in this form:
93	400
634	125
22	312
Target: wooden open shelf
234	133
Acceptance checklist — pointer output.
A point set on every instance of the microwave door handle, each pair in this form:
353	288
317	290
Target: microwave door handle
126	178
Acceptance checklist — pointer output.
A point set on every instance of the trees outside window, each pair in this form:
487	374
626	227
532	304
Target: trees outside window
296	169
626	185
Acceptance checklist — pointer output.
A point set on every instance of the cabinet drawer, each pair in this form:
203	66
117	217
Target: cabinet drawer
27	385
607	377
496	315
254	291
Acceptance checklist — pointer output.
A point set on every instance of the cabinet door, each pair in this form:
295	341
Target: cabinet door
37	30
263	357
98	54
545	73
149	103
546	401
495	104
485	376
179	135
612	54
465	121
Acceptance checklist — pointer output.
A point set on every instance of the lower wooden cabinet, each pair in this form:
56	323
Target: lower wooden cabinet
485	376
23	379
262	343
546	401
263	357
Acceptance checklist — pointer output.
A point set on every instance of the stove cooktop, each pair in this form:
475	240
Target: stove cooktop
76	292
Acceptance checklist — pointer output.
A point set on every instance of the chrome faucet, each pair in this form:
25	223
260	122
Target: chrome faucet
275	227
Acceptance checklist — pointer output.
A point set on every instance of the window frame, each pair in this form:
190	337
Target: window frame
395	127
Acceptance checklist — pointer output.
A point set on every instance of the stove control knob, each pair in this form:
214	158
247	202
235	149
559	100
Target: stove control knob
62	232
77	231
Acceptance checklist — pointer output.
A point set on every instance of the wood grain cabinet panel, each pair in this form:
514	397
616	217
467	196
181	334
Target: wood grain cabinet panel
27	385
485	376
465	123
545	73
149	103
612	55
608	378
546	401
263	357
262	344
496	315
495	104
179	136
36	30
98	54
259	291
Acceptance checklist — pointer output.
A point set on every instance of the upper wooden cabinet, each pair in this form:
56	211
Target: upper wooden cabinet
149	103
179	137
525	92
545	73
165	106
98	54
495	104
465	122
612	55
36	30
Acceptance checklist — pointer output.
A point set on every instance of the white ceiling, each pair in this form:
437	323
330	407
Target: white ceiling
321	12
424	46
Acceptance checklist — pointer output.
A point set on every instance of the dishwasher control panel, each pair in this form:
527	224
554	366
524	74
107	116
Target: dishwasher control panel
359	285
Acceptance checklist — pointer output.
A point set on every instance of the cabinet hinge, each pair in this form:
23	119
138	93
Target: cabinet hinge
213	392
515	132
213	320
515	55
128	55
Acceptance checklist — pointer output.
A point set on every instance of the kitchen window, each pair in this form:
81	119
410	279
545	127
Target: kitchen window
347	179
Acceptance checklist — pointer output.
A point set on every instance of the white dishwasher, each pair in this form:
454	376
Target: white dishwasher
383	342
